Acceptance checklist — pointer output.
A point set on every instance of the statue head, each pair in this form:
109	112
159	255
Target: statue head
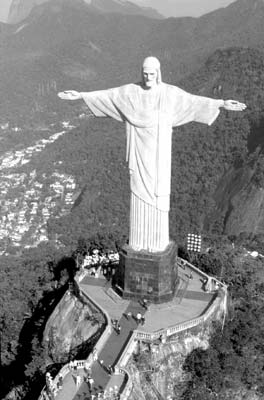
151	75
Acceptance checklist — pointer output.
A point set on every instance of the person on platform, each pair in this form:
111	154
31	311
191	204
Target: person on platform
145	304
118	328
78	380
95	355
138	317
90	383
150	109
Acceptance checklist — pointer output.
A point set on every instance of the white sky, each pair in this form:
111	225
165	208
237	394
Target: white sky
4	6
183	8
176	8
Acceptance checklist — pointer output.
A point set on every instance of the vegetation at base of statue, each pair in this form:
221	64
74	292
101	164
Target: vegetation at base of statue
33	283
233	365
31	286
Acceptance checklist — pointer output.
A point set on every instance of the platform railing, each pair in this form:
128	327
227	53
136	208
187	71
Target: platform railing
182	263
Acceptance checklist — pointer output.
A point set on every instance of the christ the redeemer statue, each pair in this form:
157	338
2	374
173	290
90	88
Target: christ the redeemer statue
150	110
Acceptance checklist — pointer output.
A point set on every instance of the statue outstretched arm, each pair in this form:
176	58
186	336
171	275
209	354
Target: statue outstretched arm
70	95
190	107
101	102
233	105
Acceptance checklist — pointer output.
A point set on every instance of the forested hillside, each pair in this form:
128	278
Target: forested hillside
72	44
31	285
201	156
207	154
217	171
233	366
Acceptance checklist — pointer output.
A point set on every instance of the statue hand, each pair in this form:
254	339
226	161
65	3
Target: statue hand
233	105
69	95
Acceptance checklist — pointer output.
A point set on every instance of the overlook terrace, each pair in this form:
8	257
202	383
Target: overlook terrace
162	322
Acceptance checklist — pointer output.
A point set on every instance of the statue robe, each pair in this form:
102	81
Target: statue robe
149	116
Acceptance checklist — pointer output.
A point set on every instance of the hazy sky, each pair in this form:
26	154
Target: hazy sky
4	6
175	8
179	8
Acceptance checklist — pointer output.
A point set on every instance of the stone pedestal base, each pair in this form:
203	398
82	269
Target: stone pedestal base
152	276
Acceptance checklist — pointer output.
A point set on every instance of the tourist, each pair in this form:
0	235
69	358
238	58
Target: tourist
209	284
114	322
95	355
204	281
74	365
87	368
110	369
145	303
101	362
90	383
118	329
138	317
60	382
78	380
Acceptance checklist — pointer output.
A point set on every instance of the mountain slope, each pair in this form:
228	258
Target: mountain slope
241	202
183	43
208	164
73	43
201	155
67	45
20	9
125	7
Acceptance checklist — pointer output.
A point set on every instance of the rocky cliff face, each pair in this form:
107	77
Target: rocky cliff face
164	363
157	368
71	325
240	202
247	212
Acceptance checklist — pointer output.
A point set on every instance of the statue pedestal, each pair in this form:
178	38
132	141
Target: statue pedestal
152	276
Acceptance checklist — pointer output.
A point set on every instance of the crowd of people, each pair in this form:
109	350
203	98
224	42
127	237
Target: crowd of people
101	263
100	259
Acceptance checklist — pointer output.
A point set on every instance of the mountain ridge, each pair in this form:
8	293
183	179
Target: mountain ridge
75	47
21	9
107	49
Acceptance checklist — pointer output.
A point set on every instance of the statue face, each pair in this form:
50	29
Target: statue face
150	77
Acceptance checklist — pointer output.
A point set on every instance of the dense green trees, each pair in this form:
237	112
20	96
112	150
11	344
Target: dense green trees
94	153
31	285
234	362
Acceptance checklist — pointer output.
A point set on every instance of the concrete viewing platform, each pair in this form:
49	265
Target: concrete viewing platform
190	302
